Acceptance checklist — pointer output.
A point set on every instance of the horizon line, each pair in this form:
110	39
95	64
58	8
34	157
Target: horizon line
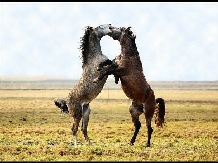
44	78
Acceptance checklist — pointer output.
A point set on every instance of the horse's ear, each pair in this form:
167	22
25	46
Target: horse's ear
128	28
123	29
89	28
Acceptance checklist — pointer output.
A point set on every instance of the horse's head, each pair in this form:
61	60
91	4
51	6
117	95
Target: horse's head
102	30
127	33
121	33
116	32
90	42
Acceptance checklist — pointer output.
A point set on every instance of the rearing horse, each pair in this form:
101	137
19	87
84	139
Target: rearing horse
77	103
128	68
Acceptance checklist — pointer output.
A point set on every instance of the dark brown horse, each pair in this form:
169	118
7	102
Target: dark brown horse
128	68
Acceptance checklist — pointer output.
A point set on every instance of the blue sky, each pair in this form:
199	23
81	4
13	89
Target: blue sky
176	41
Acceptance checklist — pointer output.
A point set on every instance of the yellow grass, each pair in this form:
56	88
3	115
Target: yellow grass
34	129
168	95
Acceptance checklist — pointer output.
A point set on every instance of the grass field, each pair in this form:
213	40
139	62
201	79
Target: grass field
34	129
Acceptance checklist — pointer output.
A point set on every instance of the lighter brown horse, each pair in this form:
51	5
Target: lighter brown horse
128	68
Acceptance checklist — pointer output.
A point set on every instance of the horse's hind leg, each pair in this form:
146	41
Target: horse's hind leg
77	115
86	112
150	130
149	108
75	129
135	110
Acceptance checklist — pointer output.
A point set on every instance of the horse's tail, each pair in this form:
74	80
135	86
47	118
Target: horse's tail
61	104
160	112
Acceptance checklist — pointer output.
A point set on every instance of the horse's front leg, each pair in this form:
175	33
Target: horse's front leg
117	78
86	112
104	63
109	71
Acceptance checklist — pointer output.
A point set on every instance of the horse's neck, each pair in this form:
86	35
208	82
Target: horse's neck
94	46
129	52
94	50
129	49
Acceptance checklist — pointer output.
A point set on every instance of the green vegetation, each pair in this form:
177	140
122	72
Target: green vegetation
34	129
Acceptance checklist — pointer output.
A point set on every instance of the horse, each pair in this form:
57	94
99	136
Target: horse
127	68
79	98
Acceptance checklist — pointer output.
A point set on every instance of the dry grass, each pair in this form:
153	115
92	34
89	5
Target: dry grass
33	129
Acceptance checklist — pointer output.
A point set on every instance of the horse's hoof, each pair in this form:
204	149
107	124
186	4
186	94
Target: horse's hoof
90	143
65	111
95	81
131	144
71	143
148	145
99	68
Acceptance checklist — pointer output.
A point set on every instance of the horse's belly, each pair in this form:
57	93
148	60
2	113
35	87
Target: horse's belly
134	95
91	90
134	89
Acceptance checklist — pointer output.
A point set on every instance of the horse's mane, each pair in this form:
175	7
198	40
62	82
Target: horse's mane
84	41
132	37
